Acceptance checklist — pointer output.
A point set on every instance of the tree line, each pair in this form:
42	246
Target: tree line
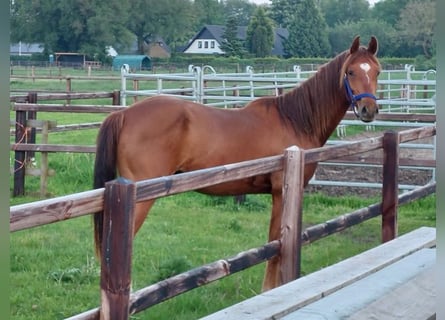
316	28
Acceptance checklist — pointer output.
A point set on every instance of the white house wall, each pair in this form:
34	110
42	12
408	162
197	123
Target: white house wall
206	46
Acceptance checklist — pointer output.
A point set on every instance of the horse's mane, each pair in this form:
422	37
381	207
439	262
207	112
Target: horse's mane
309	107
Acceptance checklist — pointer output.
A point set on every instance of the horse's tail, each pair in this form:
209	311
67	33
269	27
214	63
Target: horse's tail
105	165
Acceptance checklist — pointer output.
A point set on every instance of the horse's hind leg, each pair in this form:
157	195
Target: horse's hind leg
272	277
140	213
272	274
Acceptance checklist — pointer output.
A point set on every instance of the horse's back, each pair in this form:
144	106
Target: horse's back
163	135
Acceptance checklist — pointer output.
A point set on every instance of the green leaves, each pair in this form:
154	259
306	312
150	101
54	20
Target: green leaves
307	28
260	34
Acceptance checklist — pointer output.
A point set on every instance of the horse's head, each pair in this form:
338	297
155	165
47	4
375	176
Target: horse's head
359	77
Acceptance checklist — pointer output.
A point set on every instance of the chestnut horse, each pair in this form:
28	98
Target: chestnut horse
163	135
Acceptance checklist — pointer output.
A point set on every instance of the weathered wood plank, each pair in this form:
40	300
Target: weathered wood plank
168	185
78	126
314	233
280	301
38	213
44	158
293	184
117	248
52	148
67	108
417	193
418	133
41	123
411	117
20	156
402	290
333	152
415	299
390	185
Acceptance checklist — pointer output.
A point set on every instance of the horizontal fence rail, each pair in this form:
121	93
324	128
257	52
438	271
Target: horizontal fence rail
61	208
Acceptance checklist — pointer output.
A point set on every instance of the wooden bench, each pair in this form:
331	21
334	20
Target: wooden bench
395	280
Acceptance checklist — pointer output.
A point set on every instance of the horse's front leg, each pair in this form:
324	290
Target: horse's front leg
272	276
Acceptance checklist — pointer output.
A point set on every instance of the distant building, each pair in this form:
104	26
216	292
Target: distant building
208	40
154	47
70	59
134	61
25	49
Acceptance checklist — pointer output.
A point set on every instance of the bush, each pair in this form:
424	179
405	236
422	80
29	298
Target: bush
422	63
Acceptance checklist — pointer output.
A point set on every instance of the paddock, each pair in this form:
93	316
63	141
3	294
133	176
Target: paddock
58	209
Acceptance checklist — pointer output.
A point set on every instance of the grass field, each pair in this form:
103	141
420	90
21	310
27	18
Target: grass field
54	273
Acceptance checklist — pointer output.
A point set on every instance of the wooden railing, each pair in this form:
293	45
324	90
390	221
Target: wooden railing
119	197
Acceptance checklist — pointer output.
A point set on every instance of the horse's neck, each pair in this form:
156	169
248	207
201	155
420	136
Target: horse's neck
325	100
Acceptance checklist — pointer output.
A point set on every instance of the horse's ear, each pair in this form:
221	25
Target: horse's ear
355	45
373	45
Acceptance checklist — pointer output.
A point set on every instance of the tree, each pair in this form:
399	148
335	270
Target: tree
341	11
388	10
80	26
169	19
280	11
306	26
259	40
231	44
241	9
341	35
208	12
417	25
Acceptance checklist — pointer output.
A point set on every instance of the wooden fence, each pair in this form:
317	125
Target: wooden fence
26	127
119	197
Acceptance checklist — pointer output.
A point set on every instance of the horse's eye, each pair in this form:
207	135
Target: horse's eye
350	73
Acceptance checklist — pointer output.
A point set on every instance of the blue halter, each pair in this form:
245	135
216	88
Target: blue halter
355	98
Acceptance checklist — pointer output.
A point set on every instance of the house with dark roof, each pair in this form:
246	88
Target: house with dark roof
209	38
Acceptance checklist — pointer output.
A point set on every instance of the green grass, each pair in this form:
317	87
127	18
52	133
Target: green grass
54	273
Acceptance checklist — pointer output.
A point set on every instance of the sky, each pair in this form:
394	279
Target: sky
267	1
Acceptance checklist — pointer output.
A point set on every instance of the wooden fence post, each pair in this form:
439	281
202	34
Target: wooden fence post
116	98
135	88
19	156
44	170
293	183
390	185
117	247
32	115
68	88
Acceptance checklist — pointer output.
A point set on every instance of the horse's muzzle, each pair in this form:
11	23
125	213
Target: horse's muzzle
367	109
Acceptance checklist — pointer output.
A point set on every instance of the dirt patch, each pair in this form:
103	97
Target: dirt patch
351	173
